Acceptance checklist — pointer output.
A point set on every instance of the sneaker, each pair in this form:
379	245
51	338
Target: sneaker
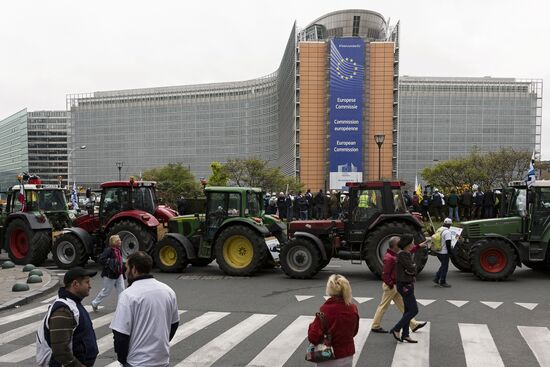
95	308
445	285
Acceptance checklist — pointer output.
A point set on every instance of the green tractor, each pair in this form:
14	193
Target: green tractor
492	248
234	231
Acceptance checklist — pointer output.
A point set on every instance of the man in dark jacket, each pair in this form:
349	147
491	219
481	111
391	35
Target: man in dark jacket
281	206
437	204
301	202
466	204
180	203
488	204
477	203
319	205
452	203
72	345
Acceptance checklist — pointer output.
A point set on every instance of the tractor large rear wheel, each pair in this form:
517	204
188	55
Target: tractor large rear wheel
68	251
26	246
240	251
170	256
460	257
300	259
492	259
134	236
378	242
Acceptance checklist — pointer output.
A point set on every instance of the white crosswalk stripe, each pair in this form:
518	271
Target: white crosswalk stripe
479	347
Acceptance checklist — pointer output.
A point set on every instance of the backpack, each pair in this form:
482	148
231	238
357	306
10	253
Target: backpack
43	348
437	240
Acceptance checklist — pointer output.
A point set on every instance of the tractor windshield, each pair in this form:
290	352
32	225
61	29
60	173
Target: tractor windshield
144	199
519	203
254	205
398	201
46	200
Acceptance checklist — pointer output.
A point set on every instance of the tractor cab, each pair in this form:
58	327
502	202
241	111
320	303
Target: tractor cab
118	196
539	208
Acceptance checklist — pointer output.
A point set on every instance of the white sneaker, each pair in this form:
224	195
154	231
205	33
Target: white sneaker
95	308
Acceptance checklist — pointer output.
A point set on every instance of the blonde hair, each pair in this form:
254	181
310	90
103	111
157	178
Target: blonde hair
114	239
339	286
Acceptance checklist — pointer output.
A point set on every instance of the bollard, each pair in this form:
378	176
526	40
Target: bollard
28	267
36	272
20	287
8	265
34	279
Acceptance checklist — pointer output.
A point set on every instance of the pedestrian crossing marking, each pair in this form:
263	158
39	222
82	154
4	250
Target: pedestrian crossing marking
218	347
48	300
414	355
538	339
23	315
425	302
457	303
529	306
303	298
365	325
493	305
276	353
362	299
479	347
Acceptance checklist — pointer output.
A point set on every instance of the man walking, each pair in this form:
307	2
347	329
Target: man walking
443	236
390	291
67	328
146	317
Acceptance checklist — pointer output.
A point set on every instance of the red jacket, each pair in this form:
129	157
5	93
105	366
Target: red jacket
389	273
342	322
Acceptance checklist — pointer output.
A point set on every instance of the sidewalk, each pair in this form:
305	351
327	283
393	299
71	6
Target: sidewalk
8	277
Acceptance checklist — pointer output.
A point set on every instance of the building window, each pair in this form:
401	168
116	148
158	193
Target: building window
355	31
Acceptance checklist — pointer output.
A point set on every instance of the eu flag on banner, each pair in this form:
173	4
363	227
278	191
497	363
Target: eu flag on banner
74	197
531	173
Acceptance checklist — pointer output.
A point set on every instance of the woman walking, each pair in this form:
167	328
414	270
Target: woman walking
112	273
406	271
341	321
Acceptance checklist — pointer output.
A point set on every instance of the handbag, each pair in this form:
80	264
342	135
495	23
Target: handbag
323	351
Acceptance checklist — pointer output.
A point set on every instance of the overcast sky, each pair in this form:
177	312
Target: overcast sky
53	48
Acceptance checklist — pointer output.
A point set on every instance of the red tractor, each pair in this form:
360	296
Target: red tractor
127	208
376	212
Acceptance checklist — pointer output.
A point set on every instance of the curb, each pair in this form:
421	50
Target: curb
22	300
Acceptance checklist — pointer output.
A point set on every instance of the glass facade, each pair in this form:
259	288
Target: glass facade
14	149
443	118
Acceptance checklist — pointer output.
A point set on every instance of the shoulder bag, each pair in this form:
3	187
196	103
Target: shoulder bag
323	351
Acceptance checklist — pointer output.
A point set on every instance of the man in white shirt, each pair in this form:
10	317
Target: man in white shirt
146	317
443	254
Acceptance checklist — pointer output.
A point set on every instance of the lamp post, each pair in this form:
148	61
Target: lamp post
82	147
119	166
379	139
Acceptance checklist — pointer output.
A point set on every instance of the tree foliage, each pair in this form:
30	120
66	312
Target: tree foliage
254	172
173	181
219	175
490	170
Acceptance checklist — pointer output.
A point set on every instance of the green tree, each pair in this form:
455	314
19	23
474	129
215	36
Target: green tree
173	180
219	175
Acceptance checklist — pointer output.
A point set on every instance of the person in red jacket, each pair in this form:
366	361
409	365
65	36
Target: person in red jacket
388	286
342	320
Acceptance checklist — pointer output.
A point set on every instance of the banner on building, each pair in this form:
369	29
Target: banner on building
347	60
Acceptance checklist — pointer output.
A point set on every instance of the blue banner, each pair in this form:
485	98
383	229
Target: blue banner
347	73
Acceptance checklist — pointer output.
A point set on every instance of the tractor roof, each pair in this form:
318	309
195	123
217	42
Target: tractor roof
28	187
232	189
127	184
541	183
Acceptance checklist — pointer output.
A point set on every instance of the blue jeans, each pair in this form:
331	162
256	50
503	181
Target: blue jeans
108	285
455	212
441	275
406	290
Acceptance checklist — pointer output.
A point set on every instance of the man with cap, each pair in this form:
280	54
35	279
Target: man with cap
73	343
443	254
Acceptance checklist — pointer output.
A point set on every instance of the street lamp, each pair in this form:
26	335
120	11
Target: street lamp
119	166
379	139
82	147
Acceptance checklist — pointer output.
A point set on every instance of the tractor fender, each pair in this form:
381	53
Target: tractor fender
403	218
83	236
34	221
519	254
313	238
140	216
185	243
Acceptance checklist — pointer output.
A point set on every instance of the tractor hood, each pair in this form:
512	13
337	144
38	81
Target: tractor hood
481	227
313	226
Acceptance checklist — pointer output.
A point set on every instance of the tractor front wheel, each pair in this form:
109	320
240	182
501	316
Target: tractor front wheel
68	251
460	257
135	237
300	259
492	259
240	251
170	256
26	246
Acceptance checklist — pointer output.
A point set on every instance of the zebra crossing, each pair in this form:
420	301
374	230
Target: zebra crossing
222	334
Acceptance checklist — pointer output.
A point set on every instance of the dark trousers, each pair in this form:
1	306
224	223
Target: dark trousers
406	290
466	212
438	212
488	212
476	212
441	275
319	212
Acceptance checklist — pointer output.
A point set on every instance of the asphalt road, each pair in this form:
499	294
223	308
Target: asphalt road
228	321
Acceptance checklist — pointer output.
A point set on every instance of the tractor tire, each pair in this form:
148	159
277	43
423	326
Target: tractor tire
378	243
170	256
134	237
300	259
68	251
26	246
240	251
492	259
460	257
201	262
